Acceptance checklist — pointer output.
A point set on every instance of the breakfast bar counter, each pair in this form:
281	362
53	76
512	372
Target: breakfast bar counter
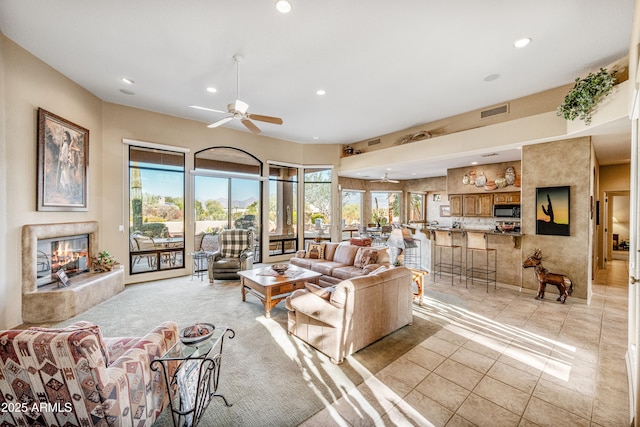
507	245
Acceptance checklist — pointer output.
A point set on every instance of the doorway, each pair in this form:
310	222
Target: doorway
617	221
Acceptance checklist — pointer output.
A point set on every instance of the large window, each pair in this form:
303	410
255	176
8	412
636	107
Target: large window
417	207
317	203
351	212
227	194
283	209
385	207
156	212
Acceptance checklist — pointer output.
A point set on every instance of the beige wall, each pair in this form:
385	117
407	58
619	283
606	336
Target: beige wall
28	84
4	176
548	165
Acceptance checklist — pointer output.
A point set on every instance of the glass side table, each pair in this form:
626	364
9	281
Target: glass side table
191	375
199	264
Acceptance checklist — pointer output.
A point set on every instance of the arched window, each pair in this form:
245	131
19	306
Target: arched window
227	192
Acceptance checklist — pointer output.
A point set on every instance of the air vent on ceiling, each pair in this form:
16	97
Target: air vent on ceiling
489	155
373	142
496	111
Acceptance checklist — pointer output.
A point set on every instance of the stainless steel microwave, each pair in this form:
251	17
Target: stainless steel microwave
506	211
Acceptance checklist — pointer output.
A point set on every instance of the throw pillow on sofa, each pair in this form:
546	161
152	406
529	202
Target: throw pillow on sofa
315	251
365	256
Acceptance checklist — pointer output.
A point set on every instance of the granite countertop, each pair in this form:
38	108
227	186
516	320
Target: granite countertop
461	230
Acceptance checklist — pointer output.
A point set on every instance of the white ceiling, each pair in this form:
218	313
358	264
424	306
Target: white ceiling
386	66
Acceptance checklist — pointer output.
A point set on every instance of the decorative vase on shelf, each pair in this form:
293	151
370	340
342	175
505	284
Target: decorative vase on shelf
510	175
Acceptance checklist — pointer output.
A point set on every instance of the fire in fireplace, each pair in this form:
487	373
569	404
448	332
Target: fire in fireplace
69	253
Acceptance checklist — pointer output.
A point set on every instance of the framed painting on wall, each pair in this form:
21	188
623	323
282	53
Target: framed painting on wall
552	211
63	164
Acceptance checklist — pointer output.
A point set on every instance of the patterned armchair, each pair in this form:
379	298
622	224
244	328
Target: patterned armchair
74	377
235	254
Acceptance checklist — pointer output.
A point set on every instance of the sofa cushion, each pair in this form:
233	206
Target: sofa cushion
315	251
326	267
330	250
347	272
345	254
365	256
82	326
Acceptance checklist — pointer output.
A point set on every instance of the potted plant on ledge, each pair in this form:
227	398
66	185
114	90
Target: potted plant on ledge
103	262
586	94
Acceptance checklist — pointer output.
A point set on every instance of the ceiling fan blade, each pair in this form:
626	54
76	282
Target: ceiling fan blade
268	119
220	122
393	181
249	124
241	107
197	107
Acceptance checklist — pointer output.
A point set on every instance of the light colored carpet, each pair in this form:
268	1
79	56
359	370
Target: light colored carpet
271	378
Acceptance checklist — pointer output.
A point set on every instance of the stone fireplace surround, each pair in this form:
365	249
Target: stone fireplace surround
53	304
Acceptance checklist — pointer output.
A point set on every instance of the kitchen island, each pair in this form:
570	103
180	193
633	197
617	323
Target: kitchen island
507	245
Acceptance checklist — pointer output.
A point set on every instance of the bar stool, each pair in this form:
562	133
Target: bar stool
477	243
444	241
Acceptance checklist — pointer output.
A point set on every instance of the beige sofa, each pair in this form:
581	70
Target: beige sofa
340	261
357	313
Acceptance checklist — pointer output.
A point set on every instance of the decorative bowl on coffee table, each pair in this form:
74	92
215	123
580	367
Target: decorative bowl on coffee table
280	268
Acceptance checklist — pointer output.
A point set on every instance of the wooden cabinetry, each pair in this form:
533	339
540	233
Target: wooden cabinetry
506	198
455	204
477	205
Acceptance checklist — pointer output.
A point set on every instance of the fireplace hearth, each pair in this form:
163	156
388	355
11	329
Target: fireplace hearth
47	248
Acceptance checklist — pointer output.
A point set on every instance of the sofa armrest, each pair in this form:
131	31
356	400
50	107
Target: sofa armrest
214	256
318	308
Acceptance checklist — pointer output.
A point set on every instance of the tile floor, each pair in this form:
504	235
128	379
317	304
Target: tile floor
504	359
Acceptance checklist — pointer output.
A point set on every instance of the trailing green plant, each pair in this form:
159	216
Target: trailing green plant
587	93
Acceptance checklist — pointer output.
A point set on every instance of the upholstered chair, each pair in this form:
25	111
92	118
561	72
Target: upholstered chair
75	377
235	254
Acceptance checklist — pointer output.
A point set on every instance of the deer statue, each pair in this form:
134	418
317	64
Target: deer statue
565	287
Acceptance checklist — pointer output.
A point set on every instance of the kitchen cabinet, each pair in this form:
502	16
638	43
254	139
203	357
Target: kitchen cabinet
477	205
506	198
455	204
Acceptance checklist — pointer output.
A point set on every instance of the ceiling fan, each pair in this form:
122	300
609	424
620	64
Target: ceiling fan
386	178
239	109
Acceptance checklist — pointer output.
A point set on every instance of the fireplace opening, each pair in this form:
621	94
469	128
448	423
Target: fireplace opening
69	253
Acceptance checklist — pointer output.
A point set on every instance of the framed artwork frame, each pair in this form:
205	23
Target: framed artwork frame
63	164
445	210
553	211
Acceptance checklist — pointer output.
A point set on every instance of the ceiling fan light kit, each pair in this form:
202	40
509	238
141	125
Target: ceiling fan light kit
386	179
238	110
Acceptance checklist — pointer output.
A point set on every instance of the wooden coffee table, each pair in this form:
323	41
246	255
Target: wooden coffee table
273	289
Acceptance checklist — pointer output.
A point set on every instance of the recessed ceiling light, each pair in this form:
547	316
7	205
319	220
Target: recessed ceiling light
283	6
212	89
128	81
127	92
321	92
474	163
522	42
316	137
